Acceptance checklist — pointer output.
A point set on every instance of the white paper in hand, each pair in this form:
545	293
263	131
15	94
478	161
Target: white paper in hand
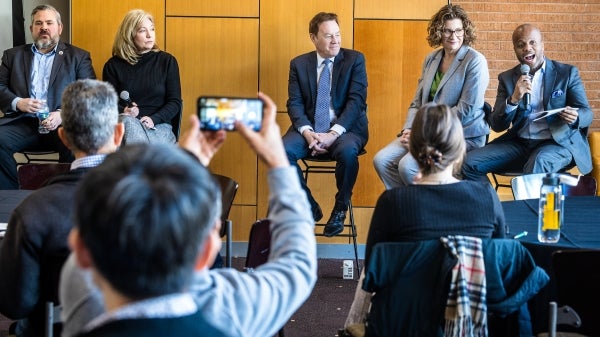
544	114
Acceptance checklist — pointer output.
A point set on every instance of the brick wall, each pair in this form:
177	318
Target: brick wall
570	33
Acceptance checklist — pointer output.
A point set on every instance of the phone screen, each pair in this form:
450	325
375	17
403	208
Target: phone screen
220	113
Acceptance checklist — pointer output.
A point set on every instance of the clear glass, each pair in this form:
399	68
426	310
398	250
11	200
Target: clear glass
550	219
42	114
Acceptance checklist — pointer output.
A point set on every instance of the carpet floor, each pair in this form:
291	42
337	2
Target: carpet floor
321	315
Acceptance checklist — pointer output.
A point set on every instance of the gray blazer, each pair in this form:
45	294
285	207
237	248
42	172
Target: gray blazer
562	87
462	88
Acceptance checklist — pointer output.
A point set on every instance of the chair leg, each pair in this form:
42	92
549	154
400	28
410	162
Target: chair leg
353	236
552	320
49	330
228	244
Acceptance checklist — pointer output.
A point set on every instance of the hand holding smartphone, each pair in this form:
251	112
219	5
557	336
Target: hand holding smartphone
220	113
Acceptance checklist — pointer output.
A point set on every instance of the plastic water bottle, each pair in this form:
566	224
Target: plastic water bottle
550	216
42	114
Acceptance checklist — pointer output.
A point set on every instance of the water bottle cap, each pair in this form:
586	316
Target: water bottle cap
551	179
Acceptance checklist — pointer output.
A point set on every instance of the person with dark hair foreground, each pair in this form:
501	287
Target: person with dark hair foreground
147	227
436	204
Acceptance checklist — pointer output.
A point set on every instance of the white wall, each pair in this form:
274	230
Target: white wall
6	31
63	6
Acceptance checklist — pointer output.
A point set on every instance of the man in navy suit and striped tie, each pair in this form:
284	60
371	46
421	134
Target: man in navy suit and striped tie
327	95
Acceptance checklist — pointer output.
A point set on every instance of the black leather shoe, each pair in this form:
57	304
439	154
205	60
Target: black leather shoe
335	224
344	333
317	213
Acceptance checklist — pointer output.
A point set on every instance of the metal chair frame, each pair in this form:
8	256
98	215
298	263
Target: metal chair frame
317	165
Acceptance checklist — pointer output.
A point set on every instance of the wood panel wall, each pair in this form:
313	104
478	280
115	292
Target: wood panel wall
238	47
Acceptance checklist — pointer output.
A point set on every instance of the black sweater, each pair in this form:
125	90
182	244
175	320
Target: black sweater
424	212
153	84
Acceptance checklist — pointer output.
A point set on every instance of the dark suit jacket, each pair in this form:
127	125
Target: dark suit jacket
70	64
562	87
33	251
348	91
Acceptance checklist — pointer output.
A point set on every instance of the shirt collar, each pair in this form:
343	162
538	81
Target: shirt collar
88	161
542	69
167	306
36	51
321	59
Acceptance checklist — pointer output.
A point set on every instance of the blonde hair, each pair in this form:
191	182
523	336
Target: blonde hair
124	46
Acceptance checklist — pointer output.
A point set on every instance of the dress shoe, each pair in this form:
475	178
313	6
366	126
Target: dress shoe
344	333
335	224
317	213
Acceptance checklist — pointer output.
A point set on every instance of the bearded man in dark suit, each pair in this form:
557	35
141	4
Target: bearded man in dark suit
30	74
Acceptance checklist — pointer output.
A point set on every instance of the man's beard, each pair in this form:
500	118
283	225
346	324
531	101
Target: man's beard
45	44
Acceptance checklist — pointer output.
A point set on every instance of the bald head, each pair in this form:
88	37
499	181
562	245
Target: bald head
525	29
528	46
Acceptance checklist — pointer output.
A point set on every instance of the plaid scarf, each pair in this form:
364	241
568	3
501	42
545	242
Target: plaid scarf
466	307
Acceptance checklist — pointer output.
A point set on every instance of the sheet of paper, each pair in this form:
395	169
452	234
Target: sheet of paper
547	113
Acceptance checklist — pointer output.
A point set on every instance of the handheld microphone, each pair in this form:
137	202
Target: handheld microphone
524	71
124	95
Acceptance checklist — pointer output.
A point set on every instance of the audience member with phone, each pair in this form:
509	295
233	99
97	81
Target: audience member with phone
167	274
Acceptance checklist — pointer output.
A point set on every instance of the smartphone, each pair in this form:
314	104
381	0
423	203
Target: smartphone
220	113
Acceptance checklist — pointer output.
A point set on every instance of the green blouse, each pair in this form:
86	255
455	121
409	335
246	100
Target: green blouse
435	84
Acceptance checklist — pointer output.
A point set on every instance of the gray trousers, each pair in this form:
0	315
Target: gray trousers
135	132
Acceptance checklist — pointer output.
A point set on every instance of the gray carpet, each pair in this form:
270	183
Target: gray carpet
325	311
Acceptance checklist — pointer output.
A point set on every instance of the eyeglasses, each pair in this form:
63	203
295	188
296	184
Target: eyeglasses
458	32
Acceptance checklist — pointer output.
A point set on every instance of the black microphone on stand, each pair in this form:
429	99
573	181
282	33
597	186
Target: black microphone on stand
524	71
124	95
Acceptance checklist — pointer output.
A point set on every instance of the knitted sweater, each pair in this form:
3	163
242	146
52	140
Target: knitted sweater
424	212
153	84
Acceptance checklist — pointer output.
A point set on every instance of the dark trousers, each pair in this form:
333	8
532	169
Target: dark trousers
344	151
517	155
22	134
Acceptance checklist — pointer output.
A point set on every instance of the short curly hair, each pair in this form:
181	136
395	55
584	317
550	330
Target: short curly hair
449	12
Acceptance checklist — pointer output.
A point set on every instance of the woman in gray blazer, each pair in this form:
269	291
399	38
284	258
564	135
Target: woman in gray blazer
456	75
